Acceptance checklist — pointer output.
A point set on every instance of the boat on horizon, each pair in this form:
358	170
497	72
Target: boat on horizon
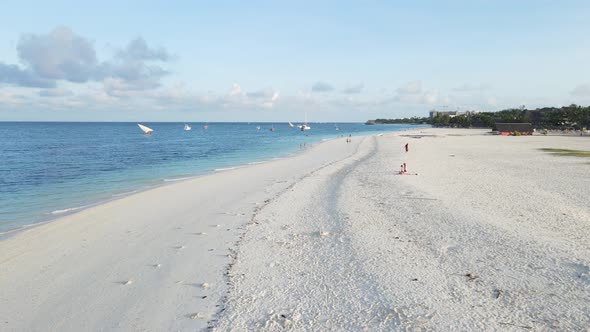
146	130
291	125
187	127
304	126
205	127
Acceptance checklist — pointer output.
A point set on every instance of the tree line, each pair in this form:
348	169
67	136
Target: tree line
572	116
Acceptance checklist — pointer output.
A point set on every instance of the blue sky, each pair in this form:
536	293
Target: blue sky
274	61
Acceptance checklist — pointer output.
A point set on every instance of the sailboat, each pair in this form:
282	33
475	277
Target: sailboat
187	127
257	127
304	126
291	125
146	130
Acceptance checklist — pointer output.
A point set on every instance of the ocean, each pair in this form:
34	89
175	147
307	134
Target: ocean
48	169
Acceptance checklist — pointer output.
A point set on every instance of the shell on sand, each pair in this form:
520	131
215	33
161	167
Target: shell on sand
205	285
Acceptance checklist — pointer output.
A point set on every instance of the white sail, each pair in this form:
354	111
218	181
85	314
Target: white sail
291	125
146	130
187	127
304	126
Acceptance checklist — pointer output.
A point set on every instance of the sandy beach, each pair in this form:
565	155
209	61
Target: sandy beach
483	233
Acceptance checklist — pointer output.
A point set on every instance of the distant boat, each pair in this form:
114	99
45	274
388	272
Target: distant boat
304	126
291	125
206	127
257	127
187	127
146	130
272	128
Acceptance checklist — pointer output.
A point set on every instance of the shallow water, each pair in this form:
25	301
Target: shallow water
48	169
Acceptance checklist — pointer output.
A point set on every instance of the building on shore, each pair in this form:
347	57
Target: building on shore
451	114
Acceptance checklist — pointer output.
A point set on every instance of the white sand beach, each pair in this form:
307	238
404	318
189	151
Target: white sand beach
491	234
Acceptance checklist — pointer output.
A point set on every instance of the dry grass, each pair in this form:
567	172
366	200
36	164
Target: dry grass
566	152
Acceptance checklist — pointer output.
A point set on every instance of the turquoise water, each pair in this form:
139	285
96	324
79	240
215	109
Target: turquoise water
49	168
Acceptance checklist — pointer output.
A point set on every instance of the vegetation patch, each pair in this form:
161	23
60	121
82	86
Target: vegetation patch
566	152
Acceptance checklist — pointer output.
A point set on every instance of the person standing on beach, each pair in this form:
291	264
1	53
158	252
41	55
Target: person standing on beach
406	147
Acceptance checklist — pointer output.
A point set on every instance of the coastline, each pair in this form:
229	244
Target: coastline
492	232
209	212
48	217
47	212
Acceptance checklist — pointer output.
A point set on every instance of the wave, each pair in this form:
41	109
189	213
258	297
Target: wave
62	211
225	169
124	193
178	179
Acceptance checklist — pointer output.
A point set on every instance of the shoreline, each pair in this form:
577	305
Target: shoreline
48	217
178	219
478	239
149	184
19	221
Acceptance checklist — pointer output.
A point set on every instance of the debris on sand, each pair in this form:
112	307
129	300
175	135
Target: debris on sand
497	293
196	315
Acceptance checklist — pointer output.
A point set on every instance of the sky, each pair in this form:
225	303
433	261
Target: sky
192	61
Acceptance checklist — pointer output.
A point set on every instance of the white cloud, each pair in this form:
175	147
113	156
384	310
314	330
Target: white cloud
412	93
14	75
322	87
467	87
236	90
354	89
582	90
62	55
55	93
410	88
237	98
59	55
